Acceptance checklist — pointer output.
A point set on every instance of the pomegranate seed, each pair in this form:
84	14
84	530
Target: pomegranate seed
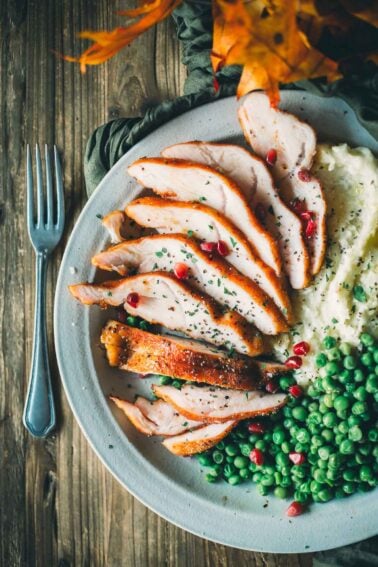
310	229
295	509
257	457
301	349
295	391
256	427
208	246
260	211
133	299
306	216
271	386
293	362
304	175
271	157
181	271
297	458
222	248
298	205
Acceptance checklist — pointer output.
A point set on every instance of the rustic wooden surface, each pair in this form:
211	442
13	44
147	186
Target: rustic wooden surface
58	504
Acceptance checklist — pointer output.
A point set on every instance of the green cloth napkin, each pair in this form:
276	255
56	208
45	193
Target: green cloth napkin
110	142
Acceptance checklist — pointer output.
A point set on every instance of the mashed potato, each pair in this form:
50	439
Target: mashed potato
343	298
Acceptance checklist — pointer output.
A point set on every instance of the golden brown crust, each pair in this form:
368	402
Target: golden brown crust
218	217
227	271
135	350
183	164
182	445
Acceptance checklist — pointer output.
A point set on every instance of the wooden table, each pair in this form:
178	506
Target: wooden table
59	506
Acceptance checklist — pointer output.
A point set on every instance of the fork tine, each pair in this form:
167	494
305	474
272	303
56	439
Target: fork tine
59	191
49	193
40	205
29	189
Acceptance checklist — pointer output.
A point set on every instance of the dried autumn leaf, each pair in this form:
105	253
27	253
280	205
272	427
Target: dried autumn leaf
106	44
268	43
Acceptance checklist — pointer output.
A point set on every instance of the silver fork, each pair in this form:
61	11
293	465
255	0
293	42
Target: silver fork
45	232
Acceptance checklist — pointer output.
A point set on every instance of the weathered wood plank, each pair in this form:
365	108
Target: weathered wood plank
59	505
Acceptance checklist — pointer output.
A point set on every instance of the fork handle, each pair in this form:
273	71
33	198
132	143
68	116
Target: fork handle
39	413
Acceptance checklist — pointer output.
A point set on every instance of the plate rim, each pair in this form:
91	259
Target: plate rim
144	494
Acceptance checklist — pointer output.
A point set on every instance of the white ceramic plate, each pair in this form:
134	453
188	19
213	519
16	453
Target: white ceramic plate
174	487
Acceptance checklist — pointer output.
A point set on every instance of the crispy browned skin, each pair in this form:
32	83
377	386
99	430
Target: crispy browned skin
135	350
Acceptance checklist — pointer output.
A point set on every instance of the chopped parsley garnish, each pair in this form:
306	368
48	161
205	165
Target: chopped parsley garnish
99	216
159	254
233	242
190	233
359	294
202	199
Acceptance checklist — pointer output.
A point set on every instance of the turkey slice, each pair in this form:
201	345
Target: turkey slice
186	181
252	176
268	128
199	440
209	225
164	300
214	405
139	351
120	227
211	275
155	418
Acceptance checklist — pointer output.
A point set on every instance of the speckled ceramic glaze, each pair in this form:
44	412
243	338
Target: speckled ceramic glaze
175	487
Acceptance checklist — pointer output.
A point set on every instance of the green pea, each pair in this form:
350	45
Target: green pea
346	349
244	474
339	493
229	470
221	445
365	449
234	479
177	384
312	392
367	359
165	380
257	476
253	438
355	433
260	444
349	487
324	452
282	460
215	470
322	464
372	384
316	441
329	384
245	449
332	475
328	400
350	362
375	355
299	413
329	419
366	473
267	480
341	403
329	342
347	447
286	481
339	438
325	495
303	436
332	368
210	478
373	435
278	437
320	476
280	492
334	354
366	339
231	450
300	497
132	321
285	447
218	457
205	460
354	420
241	462
358	375
315	418
346	376
287	411
350	475
267	436
263	490
334	461
285	382
359	408
294	430
315	487
144	325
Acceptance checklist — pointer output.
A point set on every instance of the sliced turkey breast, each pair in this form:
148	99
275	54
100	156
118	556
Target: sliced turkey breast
267	128
182	255
164	300
155	418
214	405
200	440
209	225
252	176
186	181
120	227
139	351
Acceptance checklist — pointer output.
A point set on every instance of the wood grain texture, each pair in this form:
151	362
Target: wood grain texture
59	506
